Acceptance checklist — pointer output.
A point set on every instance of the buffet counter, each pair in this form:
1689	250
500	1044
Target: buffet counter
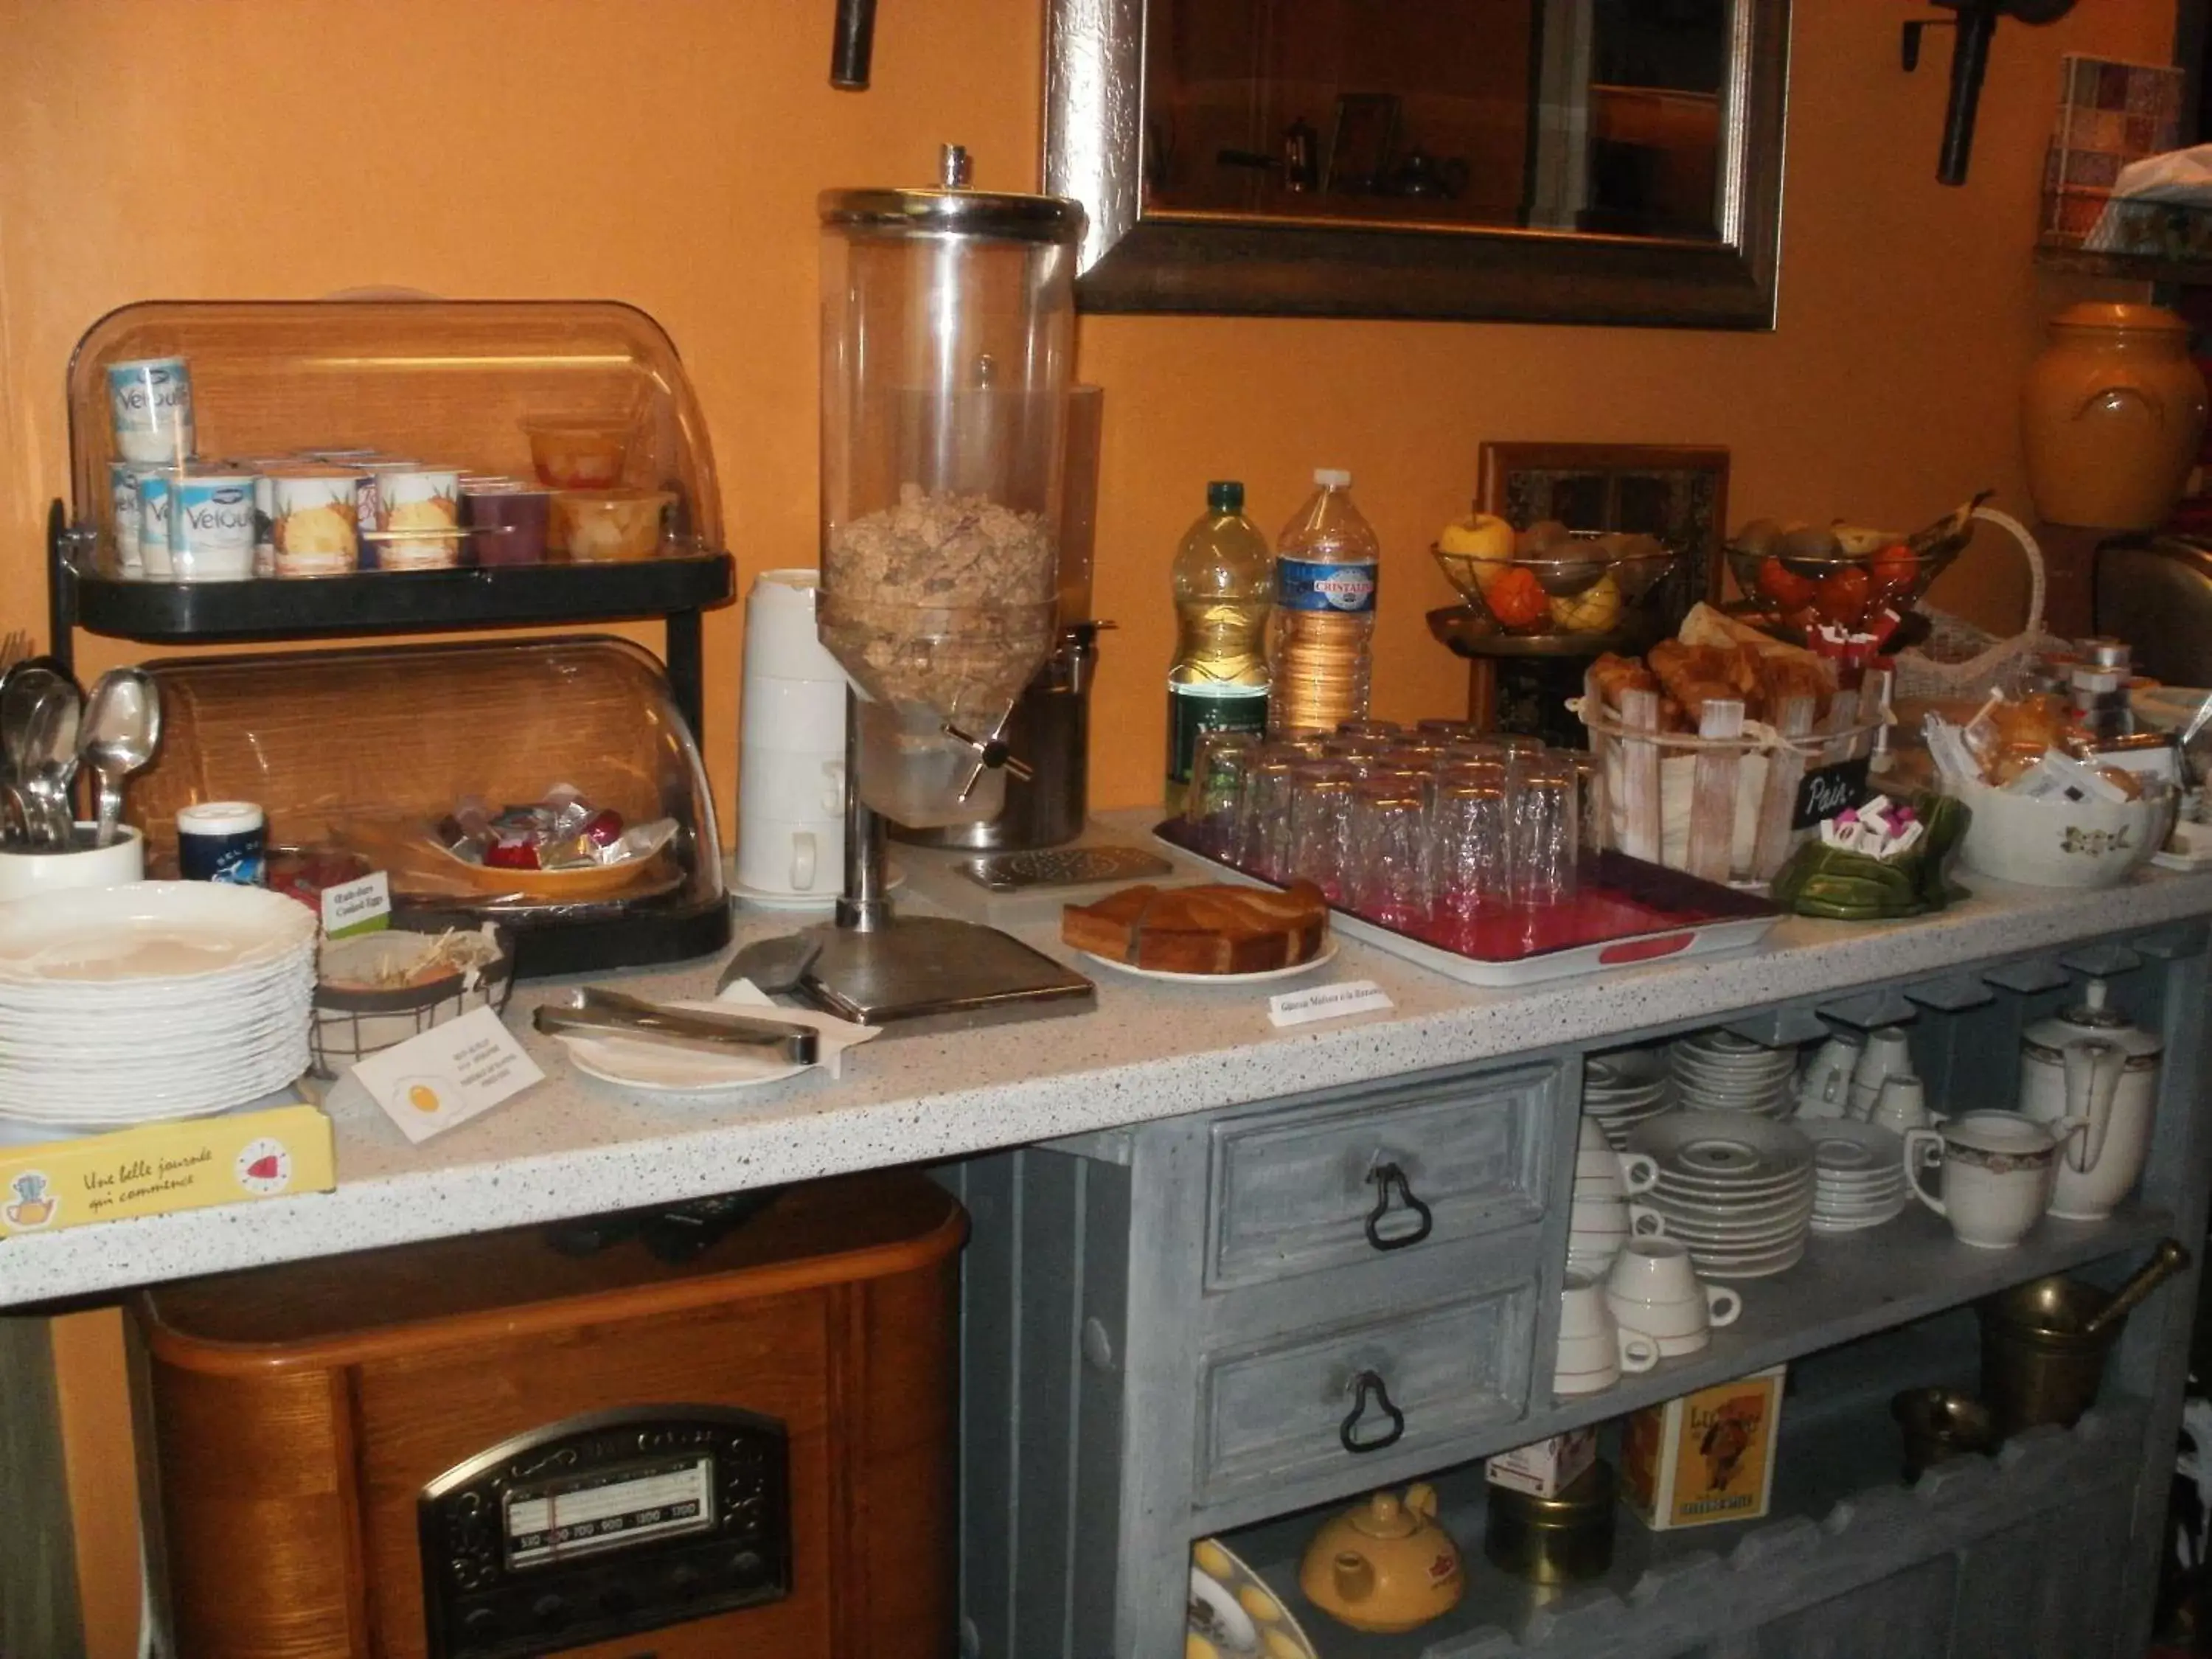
572	1147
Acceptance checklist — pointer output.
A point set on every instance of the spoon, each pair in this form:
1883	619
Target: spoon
21	689
122	728
49	760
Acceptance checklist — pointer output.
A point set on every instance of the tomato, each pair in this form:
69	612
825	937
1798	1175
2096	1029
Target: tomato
1895	570
1517	600
1842	599
1778	582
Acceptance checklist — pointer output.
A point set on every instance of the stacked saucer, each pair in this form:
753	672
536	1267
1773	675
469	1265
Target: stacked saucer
1720	1072
157	1000
1622	1089
1859	1175
1733	1187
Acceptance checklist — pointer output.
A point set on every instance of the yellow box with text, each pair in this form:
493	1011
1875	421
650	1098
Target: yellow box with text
159	1167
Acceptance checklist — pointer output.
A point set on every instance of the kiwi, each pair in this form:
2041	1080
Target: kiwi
1759	537
1539	539
1809	550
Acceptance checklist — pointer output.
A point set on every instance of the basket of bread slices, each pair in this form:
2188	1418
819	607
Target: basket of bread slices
1704	744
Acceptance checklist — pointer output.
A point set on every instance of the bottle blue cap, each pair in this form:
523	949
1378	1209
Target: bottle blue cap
1224	495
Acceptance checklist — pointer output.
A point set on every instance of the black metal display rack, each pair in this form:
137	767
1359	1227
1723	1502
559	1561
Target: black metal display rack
384	602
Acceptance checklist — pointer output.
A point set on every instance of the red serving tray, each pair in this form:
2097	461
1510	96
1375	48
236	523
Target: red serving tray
1626	912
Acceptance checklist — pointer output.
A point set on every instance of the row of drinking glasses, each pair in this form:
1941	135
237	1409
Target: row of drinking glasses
1424	831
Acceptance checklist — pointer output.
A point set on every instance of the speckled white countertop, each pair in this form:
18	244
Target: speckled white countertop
570	1146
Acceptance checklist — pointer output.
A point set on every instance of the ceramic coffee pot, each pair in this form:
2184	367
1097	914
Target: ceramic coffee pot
2089	1062
1385	1564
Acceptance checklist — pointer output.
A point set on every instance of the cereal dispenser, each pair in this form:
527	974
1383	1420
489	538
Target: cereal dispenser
948	334
948	338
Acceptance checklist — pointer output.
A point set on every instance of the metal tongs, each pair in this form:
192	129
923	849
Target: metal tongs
596	1013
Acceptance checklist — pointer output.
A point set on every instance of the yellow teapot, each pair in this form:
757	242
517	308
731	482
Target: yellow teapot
1385	1565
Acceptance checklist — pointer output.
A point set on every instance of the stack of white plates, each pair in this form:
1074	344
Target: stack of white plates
1720	1072
162	999
1859	1175
1622	1089
1735	1188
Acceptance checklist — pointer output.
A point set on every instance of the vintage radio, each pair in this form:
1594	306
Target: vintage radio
486	1447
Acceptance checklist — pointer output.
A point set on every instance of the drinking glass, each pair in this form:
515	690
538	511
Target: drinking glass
1263	815
1592	808
1320	848
1369	728
1478	749
1389	881
1469	854
1450	731
1544	841
1216	779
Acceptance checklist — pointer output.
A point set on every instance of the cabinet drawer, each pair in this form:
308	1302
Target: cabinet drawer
1292	1187
1276	1411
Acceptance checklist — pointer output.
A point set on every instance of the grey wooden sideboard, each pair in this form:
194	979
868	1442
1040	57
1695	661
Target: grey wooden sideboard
1187	1329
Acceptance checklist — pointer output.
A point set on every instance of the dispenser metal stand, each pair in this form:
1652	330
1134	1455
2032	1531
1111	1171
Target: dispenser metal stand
878	969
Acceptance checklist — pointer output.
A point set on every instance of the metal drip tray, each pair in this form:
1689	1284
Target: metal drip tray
930	973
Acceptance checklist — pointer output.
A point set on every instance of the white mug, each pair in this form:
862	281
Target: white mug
1901	1103
1825	1090
1886	1052
1589	1365
791	859
1996	1173
1680	1326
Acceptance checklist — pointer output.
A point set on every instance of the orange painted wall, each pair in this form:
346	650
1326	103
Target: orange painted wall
669	151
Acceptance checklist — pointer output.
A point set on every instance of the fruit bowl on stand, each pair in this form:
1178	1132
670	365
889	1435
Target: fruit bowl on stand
1794	578
1551	591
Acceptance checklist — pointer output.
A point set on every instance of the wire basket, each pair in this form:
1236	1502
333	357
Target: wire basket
1961	660
350	1024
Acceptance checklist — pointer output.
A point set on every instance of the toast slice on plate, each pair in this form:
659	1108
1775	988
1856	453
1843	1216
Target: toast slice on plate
1213	929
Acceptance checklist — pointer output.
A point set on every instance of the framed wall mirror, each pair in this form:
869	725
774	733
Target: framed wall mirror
1541	161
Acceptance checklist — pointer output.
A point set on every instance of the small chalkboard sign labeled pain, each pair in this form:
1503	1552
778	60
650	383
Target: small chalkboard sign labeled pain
1827	790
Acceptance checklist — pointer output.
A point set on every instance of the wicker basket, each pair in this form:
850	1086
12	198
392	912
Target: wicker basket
1961	660
350	1024
1718	803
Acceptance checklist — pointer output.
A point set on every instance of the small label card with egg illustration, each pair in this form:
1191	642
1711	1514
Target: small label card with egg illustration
357	907
447	1075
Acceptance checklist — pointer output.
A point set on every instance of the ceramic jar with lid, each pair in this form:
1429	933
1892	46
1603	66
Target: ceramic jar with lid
2089	1062
2111	416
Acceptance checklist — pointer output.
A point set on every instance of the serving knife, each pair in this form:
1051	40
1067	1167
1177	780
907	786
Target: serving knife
592	1011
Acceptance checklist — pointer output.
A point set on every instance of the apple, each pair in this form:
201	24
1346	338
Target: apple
1487	540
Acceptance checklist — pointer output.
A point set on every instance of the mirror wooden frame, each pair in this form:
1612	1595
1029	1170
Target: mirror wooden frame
1135	261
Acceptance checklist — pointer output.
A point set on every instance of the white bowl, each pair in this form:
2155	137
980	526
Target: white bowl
2059	843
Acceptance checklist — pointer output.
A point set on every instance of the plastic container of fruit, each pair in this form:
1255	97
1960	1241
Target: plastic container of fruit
1579	594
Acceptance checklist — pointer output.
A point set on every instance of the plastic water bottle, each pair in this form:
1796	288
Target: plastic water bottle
1224	582
1320	636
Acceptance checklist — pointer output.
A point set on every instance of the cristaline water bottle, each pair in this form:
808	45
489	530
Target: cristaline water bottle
1320	636
1224	582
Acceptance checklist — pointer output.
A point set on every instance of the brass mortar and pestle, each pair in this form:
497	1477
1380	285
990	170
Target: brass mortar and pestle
2044	1343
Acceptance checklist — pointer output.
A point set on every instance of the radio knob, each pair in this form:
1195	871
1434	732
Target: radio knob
481	1622
617	1601
550	1611
684	1578
746	1564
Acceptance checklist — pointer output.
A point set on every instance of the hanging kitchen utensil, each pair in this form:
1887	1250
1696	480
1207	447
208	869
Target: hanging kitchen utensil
122	728
1977	20
852	48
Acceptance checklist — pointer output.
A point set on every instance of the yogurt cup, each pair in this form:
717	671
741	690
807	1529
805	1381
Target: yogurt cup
313	525
123	516
211	531
150	404
418	518
155	483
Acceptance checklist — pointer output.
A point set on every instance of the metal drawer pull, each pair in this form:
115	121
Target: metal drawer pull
1386	1176
1366	1383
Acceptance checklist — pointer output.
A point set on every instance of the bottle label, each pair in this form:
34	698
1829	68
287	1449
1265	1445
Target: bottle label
1209	707
1305	585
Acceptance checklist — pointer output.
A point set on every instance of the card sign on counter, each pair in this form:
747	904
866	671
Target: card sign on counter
1351	996
357	907
1827	790
447	1075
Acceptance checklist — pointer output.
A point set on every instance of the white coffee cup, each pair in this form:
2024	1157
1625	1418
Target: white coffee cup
1901	1103
25	873
1713	1307
1996	1173
1588	1364
1825	1090
791	858
1886	1052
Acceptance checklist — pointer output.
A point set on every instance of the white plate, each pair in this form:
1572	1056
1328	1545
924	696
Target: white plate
1230	1605
681	1074
1730	1147
163	931
1327	954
